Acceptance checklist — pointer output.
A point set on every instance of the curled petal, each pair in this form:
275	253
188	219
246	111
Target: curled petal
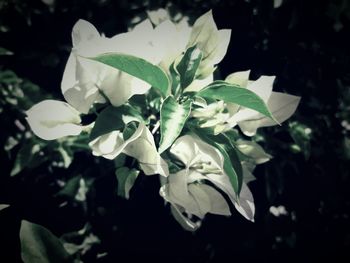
140	146
51	119
185	222
144	150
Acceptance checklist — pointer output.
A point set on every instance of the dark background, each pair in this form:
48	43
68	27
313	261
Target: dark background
303	43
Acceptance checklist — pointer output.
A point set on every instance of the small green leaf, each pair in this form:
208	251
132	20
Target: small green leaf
301	135
126	178
129	130
235	94
114	118
28	157
188	65
172	119
39	245
137	67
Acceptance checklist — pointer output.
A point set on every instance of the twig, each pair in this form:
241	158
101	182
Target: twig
156	127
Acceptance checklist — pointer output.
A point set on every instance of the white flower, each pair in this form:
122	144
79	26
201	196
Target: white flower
211	41
51	119
140	146
281	105
85	82
185	191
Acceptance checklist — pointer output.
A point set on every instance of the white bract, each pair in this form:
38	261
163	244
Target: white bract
188	194
85	81
52	119
211	41
140	146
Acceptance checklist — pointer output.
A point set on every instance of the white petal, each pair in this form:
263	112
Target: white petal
218	204
83	31
185	222
223	182
211	41
115	141
199	84
157	16
203	30
222	46
80	83
52	119
116	86
3	206
184	149
239	78
282	107
178	192
253	150
201	198
106	143
262	87
247	170
144	150
246	206
167	43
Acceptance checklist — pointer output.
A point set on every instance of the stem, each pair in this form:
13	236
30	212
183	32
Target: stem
155	128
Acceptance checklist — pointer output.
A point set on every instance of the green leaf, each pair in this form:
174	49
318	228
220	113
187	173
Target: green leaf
126	178
232	165
39	245
188	65
28	157
137	67
301	135
232	152
114	118
172	120
6	52
235	94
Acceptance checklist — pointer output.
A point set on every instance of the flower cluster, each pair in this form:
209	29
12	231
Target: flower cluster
153	98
